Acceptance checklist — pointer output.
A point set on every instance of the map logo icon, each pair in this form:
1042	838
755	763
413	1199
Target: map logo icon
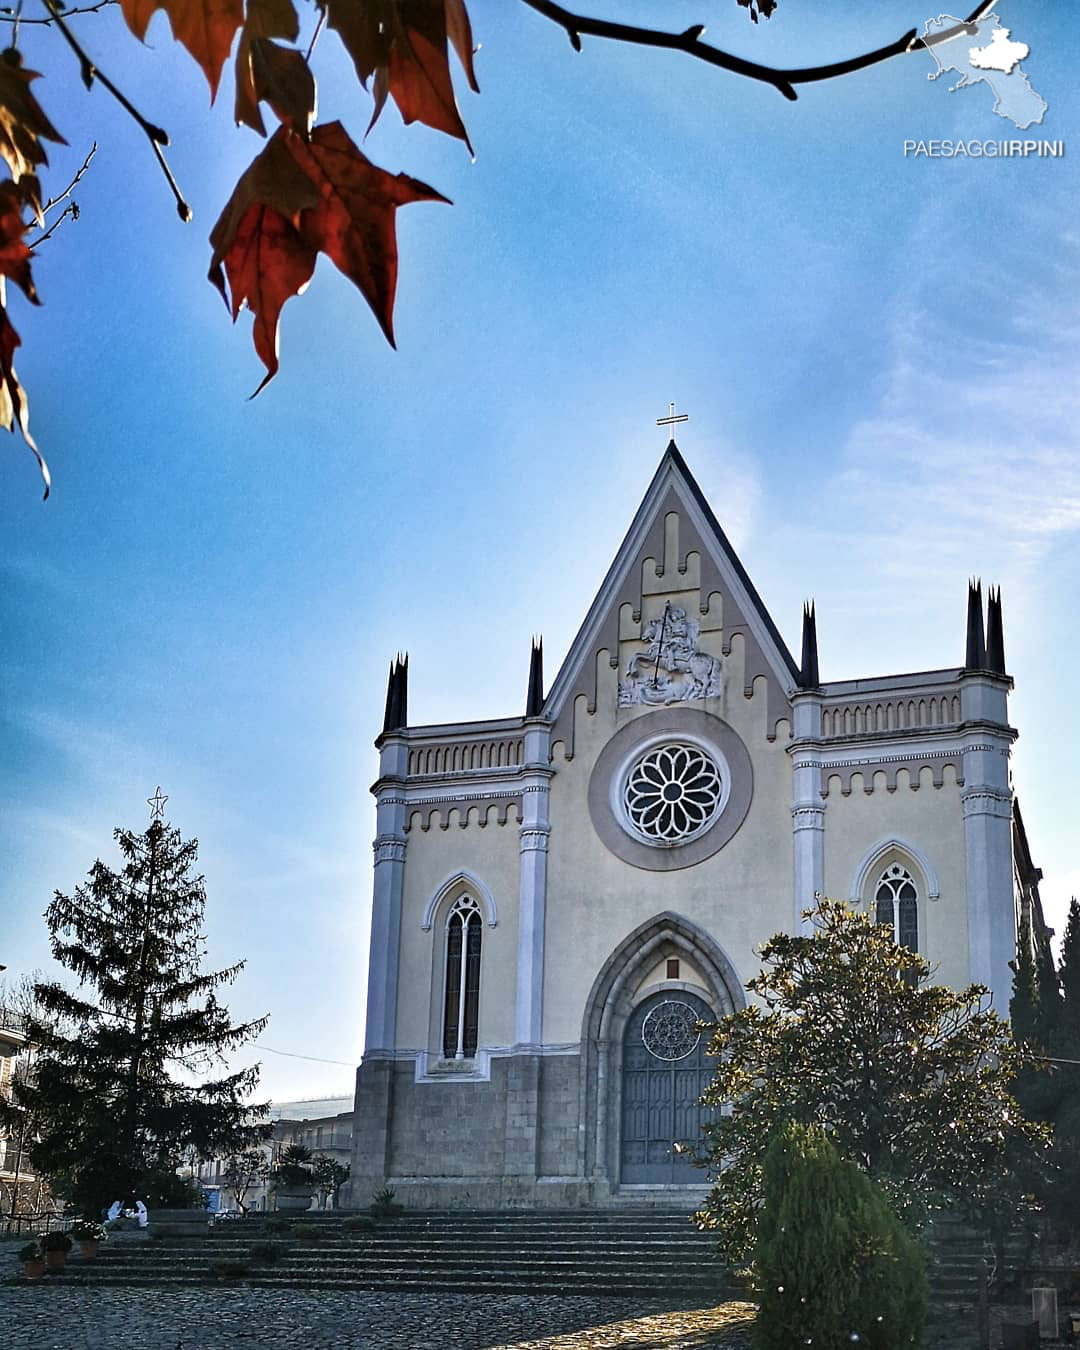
984	53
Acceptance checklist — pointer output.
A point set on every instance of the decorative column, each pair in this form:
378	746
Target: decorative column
532	895
389	885
374	1105
807	806
987	801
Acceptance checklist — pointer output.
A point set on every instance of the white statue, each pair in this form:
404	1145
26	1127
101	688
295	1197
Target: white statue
673	669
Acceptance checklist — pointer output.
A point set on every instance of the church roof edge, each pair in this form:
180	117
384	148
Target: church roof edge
674	456
672	466
908	679
495	724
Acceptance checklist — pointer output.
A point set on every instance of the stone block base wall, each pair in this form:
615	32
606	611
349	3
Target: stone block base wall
512	1141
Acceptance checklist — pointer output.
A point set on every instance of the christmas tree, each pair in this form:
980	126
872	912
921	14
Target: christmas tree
116	1097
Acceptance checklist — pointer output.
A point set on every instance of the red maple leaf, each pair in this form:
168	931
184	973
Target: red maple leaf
205	27
404	44
298	199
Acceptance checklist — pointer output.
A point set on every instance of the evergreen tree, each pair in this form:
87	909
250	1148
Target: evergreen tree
1069	978
911	1080
1063	1195
113	1097
1032	1015
1024	1004
834	1265
1048	986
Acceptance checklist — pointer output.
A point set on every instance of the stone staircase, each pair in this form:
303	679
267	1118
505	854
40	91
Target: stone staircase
958	1254
653	1254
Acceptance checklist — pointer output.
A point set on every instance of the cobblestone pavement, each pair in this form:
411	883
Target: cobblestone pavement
40	1317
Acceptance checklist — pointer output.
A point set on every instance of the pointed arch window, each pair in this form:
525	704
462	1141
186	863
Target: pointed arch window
461	1006
897	903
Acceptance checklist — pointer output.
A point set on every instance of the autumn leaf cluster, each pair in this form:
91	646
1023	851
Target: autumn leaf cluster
311	190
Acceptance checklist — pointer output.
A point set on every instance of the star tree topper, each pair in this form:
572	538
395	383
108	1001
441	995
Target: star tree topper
156	803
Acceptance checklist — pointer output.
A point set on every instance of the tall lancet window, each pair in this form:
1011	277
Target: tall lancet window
897	903
462	1004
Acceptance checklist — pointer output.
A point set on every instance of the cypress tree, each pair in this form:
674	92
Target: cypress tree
1024	1004
1069	976
113	1097
1064	1195
1048	990
834	1264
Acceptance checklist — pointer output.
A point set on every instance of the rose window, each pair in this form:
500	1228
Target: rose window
670	1030
673	794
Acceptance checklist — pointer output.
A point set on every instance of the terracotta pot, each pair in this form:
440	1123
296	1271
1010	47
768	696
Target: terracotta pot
55	1260
33	1270
88	1248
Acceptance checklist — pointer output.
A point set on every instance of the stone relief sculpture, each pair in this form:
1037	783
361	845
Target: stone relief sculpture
673	668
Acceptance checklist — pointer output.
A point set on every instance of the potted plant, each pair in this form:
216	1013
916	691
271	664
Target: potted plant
33	1261
87	1233
56	1247
294	1181
383	1205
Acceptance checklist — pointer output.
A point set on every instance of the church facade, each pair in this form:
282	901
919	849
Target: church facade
560	897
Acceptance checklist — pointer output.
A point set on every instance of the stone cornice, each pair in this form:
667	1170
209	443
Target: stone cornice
489	782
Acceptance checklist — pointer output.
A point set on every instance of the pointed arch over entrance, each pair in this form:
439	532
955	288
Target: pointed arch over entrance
618	992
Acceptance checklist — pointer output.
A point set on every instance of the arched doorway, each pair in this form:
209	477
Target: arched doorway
626	982
664	1072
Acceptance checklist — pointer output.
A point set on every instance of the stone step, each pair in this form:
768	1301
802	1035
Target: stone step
651	1223
552	1269
363	1241
362	1245
410	1282
629	1261
644	1242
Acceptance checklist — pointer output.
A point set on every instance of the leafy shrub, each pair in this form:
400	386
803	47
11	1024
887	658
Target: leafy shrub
87	1230
56	1242
833	1262
164	1188
382	1203
307	1232
265	1253
362	1223
31	1252
277	1226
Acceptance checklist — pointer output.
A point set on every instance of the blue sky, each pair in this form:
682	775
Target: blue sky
878	354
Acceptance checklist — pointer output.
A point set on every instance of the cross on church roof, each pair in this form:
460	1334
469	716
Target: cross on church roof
671	419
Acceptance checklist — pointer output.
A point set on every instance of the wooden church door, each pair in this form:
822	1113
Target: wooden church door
664	1072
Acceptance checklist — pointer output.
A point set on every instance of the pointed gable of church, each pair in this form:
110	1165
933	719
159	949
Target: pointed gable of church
675	576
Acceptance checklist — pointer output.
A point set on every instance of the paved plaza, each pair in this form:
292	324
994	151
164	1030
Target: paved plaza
48	1317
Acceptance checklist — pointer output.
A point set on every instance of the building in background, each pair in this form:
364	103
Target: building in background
21	1190
322	1124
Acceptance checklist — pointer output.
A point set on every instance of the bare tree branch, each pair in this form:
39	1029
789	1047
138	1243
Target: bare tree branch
156	136
55	201
72	210
689	41
12	16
